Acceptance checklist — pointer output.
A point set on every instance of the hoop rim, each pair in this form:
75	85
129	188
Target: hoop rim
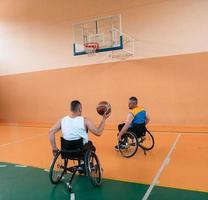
91	48
91	45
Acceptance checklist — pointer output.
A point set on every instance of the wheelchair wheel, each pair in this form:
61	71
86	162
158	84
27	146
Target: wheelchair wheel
57	168
129	145
93	168
147	141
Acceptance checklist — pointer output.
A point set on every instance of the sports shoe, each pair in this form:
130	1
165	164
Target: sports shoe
81	169
121	146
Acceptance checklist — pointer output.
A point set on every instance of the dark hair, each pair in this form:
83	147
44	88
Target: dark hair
75	105
133	99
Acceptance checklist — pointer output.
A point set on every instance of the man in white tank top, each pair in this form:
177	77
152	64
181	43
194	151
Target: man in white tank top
74	127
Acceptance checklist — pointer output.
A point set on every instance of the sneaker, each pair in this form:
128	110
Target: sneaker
121	146
81	169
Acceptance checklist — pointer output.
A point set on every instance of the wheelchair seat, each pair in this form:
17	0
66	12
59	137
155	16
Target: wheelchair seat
139	129
73	149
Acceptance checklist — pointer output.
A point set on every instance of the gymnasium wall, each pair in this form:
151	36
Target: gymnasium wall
173	89
37	35
39	75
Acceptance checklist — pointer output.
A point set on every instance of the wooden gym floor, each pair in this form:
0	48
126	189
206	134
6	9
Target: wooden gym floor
175	168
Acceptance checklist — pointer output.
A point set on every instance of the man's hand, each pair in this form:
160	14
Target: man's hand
106	115
54	151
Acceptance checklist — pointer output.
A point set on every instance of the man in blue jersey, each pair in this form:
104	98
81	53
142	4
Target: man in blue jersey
136	120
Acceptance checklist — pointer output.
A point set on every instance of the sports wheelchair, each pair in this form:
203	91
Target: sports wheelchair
88	163
131	141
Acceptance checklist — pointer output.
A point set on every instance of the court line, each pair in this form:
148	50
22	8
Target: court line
23	140
20	166
164	164
1	166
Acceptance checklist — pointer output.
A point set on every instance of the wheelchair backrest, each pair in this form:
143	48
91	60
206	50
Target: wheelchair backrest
72	149
71	145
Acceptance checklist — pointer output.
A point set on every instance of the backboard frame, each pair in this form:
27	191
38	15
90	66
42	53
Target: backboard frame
115	44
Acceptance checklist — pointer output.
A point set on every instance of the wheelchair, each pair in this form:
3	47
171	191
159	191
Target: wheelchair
87	163
130	142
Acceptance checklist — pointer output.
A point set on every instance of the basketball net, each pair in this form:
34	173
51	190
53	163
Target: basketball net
90	48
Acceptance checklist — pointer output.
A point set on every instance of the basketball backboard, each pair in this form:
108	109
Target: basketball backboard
104	32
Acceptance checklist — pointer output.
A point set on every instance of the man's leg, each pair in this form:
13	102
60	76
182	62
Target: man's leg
120	126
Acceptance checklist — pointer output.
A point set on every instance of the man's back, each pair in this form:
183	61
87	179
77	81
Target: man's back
139	115
73	128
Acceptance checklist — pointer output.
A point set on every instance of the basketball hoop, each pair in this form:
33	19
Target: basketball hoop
90	48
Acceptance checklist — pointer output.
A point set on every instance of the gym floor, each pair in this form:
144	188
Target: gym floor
177	167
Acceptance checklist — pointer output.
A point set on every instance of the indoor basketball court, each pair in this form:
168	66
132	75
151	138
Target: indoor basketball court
102	53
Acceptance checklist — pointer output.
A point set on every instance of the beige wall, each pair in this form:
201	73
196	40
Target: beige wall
37	35
173	90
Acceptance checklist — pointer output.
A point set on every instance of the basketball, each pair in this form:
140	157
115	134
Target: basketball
103	107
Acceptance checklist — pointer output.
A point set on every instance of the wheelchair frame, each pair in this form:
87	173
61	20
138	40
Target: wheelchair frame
89	167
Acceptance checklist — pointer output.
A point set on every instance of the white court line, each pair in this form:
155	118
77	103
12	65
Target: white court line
20	166
23	140
1	166
157	176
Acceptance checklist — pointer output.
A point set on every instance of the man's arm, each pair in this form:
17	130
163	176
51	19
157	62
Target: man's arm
128	122
147	119
52	132
96	130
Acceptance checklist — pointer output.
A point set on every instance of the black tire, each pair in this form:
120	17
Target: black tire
93	168
58	168
147	141
129	145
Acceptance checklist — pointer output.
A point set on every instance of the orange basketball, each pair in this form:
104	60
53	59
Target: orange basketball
103	107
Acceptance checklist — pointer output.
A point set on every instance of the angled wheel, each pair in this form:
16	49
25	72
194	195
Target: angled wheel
147	141
57	168
93	168
129	145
